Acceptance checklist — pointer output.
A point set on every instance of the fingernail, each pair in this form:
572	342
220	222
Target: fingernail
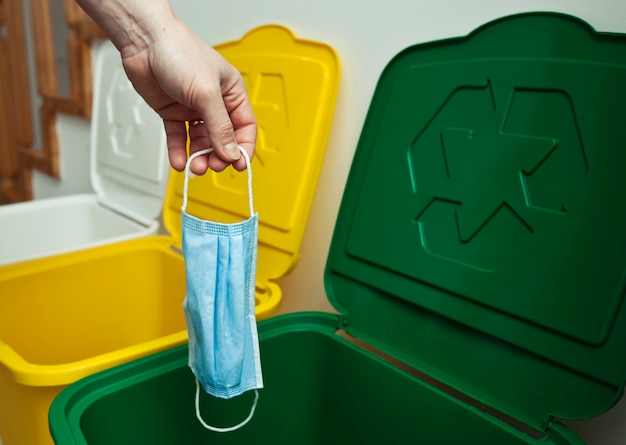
232	151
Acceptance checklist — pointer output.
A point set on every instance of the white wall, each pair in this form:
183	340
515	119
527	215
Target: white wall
366	35
73	133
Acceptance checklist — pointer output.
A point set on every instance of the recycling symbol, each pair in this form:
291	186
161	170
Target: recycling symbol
129	130
490	166
128	114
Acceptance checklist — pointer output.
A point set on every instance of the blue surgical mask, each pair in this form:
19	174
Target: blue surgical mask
220	262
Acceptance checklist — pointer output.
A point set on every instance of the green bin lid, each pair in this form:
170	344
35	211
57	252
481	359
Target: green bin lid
482	233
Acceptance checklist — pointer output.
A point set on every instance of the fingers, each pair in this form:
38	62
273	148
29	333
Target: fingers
198	140
176	134
245	126
207	88
229	123
228	119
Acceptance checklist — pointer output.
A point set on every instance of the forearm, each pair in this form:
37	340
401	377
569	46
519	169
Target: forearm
132	25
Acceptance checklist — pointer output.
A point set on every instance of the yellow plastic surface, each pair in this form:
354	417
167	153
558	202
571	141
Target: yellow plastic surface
68	316
65	317
292	85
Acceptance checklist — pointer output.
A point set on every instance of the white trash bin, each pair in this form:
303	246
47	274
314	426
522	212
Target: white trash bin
128	169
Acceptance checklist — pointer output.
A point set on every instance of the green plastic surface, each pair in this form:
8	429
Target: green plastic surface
482	234
319	389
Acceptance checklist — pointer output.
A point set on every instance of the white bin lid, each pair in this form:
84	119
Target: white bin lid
129	164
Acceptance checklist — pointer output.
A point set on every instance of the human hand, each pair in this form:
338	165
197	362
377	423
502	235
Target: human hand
183	79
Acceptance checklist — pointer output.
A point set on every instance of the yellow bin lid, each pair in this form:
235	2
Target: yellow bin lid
292	84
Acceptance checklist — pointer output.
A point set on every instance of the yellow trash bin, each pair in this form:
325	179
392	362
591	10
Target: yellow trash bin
68	316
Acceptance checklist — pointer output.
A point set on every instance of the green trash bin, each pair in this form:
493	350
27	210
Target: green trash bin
477	267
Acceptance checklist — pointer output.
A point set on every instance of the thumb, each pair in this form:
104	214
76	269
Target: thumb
221	135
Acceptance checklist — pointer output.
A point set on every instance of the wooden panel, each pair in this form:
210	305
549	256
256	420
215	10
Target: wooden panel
8	156
17	154
19	71
16	129
45	57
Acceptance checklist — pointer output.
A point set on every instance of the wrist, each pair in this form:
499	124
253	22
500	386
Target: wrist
127	24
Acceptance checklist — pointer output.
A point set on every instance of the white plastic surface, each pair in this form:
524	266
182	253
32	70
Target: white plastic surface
129	170
53	226
129	165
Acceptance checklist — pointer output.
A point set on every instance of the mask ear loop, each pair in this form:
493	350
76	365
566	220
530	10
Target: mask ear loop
227	429
250	204
209	150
